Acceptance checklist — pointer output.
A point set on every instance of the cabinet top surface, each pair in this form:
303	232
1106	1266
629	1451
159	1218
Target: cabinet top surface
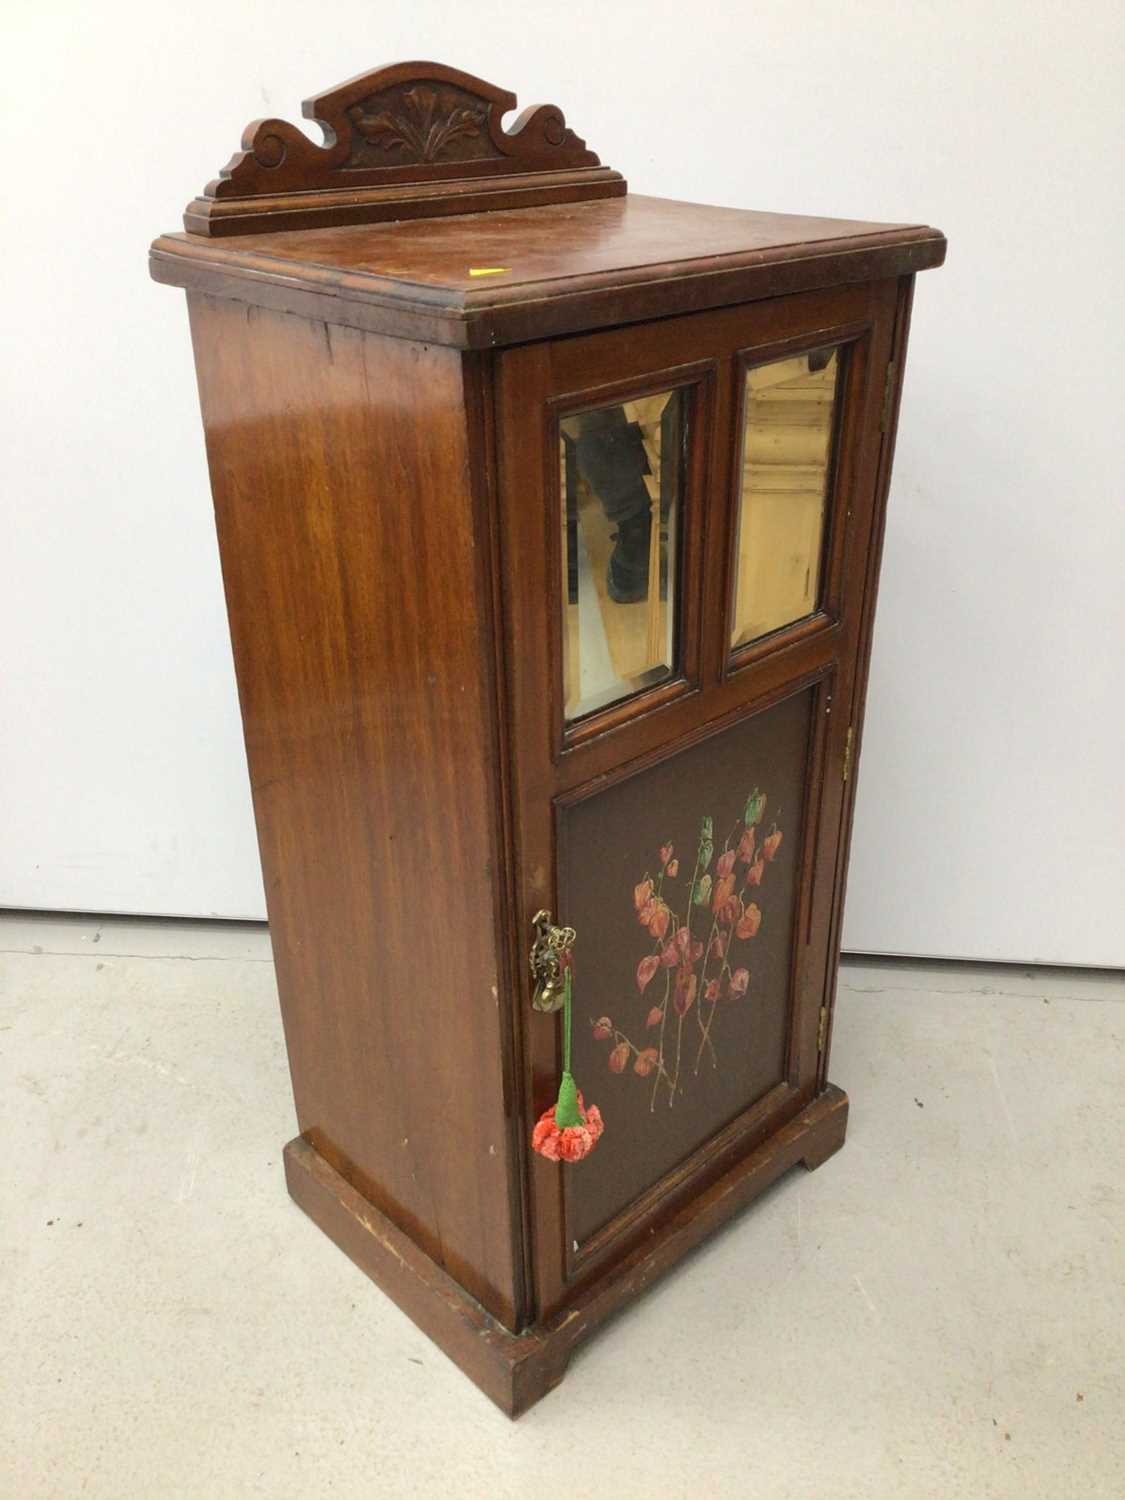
480	279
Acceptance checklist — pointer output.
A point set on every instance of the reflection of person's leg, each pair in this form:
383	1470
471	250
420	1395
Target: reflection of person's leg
610	454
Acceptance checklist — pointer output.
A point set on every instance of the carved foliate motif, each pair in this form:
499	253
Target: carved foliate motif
418	125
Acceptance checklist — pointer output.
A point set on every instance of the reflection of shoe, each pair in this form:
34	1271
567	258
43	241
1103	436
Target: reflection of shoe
627	574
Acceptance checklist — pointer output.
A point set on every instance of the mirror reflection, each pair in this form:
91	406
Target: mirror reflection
789	419
622	469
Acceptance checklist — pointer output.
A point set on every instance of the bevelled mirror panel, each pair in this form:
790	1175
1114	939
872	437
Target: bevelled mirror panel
622	478
789	417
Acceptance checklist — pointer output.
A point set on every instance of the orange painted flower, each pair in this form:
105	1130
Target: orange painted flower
619	1057
688	948
723	891
754	873
683	996
730	911
665	853
603	1029
645	970
746	846
738	983
771	843
749	922
646	1061
655	1016
571	1142
642	894
655	916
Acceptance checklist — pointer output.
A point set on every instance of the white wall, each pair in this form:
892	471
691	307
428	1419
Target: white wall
990	817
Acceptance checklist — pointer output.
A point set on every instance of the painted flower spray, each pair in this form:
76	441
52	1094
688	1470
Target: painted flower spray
693	969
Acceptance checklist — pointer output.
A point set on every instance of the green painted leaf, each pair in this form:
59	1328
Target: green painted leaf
755	807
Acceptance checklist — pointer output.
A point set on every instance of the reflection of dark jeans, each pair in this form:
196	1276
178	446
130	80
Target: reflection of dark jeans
610	455
608	451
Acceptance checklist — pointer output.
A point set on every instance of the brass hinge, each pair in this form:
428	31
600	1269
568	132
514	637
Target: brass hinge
822	1031
848	753
888	396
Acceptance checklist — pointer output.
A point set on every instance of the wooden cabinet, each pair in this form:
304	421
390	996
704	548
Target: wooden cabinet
550	521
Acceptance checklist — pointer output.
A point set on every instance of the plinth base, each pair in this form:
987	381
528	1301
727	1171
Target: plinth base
517	1369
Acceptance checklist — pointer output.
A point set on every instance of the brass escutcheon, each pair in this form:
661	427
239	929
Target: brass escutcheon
550	955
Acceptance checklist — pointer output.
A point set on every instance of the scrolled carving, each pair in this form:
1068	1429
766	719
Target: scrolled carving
269	146
543	124
410	124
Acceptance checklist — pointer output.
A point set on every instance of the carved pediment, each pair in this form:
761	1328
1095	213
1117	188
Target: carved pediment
390	137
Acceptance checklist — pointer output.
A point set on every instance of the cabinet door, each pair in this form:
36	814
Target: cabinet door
687	532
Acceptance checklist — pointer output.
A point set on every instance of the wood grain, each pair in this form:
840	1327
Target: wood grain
361	632
567	267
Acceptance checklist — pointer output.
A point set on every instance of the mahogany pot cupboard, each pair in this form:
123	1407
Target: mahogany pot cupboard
550	520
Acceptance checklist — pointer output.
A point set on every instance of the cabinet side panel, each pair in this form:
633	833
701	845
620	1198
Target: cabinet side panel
340	472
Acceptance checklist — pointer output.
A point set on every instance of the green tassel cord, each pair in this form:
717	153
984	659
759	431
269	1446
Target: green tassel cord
567	1112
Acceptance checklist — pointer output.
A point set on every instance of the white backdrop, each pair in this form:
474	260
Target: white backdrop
989	820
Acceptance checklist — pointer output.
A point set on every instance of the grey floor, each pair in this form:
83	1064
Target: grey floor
939	1311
